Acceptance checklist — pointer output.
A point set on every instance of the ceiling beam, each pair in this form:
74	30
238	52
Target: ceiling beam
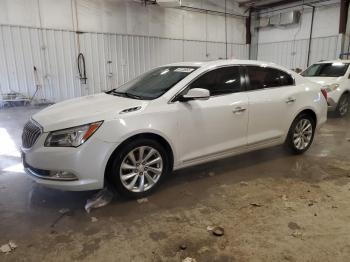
275	4
247	3
258	5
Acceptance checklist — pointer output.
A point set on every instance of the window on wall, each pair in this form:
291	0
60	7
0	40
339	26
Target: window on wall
220	81
265	77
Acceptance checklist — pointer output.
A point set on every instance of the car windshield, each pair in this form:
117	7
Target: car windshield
154	83
335	69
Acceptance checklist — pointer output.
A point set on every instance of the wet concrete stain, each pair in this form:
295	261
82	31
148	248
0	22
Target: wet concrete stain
156	236
293	226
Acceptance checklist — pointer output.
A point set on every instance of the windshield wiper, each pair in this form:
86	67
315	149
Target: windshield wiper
126	94
133	96
113	92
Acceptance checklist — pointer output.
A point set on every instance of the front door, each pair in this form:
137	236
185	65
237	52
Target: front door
216	126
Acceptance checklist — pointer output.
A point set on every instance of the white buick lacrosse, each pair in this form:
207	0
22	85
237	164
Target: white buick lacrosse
171	117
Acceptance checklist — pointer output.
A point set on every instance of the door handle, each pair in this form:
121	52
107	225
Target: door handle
238	110
290	100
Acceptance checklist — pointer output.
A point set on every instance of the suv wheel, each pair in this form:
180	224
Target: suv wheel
343	105
301	134
138	168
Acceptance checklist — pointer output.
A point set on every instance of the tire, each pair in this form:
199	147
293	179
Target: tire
301	122
343	105
126	164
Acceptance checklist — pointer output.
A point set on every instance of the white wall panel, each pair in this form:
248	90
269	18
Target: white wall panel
238	51
326	23
294	54
324	48
52	52
56	14
236	30
19	12
111	59
215	25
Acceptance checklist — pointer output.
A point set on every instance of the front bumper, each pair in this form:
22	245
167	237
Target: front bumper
87	163
332	105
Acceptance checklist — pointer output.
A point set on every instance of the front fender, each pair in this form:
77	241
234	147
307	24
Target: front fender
119	130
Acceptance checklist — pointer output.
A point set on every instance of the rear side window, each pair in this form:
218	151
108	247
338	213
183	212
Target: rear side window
264	77
225	80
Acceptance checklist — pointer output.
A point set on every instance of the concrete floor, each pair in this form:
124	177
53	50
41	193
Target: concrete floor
273	207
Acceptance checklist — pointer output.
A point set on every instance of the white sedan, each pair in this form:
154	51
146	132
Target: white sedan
171	117
334	76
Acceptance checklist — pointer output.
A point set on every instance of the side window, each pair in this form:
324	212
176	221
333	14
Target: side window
220	81
264	77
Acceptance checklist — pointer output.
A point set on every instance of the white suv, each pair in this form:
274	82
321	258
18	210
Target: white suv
171	117
334	77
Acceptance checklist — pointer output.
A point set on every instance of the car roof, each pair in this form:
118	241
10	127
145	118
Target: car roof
334	61
224	62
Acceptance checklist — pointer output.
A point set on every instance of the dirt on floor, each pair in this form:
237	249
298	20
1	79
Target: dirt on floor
272	206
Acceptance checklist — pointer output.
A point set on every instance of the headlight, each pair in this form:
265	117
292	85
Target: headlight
331	87
72	137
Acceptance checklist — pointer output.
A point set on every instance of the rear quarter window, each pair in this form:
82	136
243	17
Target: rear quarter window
266	77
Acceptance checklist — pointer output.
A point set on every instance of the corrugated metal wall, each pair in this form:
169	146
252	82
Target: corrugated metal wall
293	54
111	59
346	45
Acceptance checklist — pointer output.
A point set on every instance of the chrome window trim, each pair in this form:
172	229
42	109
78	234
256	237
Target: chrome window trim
171	101
266	88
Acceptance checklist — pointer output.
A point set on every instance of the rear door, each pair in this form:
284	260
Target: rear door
272	98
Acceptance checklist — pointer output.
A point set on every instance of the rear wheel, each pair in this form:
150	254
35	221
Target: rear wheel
301	134
138	168
343	105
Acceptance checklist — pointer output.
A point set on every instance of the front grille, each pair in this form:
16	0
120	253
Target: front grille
31	133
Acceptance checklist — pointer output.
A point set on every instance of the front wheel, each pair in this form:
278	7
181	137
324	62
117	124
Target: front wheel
138	168
301	134
343	105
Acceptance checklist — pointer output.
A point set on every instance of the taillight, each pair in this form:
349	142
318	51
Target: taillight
324	93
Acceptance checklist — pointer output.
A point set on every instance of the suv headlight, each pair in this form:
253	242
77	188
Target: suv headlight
331	87
72	137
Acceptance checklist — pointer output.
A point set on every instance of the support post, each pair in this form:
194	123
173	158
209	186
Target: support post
310	36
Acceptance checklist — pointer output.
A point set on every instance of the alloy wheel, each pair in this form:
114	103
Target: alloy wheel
302	134
141	169
343	106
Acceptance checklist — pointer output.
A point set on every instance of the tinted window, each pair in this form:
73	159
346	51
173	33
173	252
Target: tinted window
220	81
264	77
326	69
153	83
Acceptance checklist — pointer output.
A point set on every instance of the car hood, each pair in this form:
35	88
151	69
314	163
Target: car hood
324	80
83	110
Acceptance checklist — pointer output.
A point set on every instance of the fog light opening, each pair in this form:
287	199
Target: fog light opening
63	175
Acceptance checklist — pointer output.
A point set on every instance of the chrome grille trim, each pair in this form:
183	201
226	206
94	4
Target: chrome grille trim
31	133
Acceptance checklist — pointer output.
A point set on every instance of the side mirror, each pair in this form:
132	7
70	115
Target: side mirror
195	94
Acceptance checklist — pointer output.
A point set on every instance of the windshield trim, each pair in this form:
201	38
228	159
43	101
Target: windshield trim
138	97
